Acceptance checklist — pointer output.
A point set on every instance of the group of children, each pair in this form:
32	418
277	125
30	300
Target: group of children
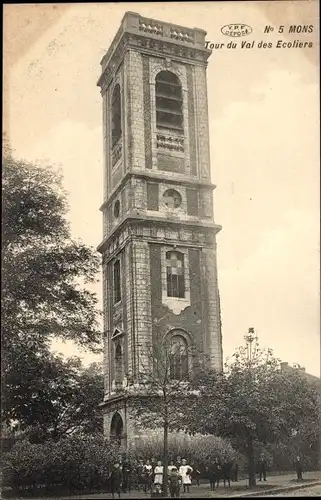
150	477
179	474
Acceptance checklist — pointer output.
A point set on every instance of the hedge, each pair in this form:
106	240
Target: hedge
83	463
72	464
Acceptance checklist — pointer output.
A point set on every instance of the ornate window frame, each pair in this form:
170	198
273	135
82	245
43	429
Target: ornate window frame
180	332
176	304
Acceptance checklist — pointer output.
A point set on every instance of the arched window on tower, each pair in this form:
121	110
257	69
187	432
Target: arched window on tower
175	274
178	358
118	366
169	101
117	284
116	115
117	429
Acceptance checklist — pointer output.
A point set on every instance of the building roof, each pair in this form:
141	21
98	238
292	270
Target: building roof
301	370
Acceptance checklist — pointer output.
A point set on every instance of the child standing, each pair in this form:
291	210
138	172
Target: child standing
116	478
175	481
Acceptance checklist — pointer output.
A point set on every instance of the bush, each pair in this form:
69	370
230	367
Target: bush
82	463
74	463
198	450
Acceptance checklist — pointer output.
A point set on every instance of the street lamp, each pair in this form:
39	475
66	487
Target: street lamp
249	339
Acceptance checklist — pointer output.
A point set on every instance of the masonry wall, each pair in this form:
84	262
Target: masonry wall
212	304
199	318
135	115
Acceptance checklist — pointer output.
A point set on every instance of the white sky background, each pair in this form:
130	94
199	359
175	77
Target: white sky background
264	132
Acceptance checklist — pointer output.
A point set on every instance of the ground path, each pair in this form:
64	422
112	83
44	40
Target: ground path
311	491
238	489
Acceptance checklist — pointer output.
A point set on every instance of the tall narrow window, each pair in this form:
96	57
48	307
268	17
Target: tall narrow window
175	274
117	287
118	365
169	101
178	358
116	115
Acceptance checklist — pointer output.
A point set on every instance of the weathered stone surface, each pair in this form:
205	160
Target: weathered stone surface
141	223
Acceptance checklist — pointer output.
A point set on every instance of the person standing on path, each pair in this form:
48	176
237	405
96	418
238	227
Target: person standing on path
116	478
217	467
148	473
158	472
262	467
175	482
185	471
127	473
235	471
210	474
298	467
140	475
153	463
196	474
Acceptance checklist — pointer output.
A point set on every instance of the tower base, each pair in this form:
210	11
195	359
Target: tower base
119	421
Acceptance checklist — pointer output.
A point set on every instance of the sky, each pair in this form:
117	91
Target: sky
264	133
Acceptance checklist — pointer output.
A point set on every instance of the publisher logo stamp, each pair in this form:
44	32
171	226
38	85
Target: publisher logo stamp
236	30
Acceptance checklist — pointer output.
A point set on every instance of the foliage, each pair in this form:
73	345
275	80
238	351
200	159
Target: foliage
63	401
74	463
199	450
253	403
283	454
42	270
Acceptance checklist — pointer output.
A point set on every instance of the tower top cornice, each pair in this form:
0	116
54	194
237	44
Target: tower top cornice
154	37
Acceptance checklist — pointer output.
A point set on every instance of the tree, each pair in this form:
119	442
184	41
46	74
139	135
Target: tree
62	401
159	401
253	403
42	271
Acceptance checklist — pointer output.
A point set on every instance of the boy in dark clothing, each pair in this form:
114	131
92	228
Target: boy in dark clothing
127	472
236	472
196	475
262	467
116	478
140	475
299	468
175	482
210	474
217	467
227	473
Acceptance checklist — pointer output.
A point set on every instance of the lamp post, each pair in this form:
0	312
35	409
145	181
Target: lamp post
251	343
249	339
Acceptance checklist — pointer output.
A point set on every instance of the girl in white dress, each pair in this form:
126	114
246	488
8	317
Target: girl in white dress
185	471
158	471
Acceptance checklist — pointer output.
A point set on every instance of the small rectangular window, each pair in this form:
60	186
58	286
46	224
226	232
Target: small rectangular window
152	196
192	201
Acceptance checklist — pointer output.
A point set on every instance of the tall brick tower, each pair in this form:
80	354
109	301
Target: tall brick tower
159	247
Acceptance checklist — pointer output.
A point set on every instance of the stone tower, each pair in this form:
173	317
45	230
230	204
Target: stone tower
159	247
